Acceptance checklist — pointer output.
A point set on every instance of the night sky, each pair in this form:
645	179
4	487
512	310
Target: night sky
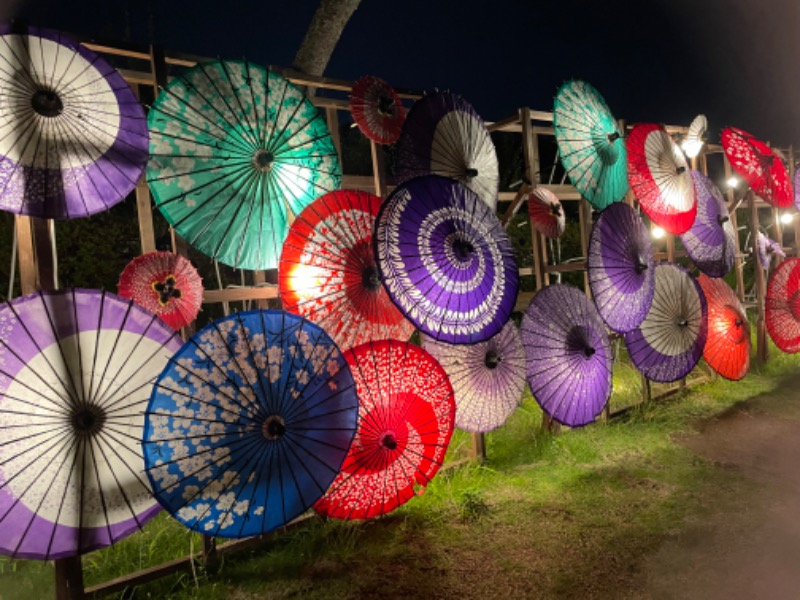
653	60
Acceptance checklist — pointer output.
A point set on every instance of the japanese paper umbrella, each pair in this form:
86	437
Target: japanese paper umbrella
443	135
546	212
445	260
782	306
660	178
406	413
590	144
488	378
670	341
727	348
796	183
237	152
164	283
695	136
329	275
620	267
377	109
568	355
249	423
760	167
710	241
76	369
73	137
766	248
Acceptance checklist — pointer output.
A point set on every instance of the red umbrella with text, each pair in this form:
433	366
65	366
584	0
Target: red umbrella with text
377	109
727	348
760	167
406	417
783	306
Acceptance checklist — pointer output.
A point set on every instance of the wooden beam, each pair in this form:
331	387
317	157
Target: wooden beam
239	294
26	258
761	286
144	213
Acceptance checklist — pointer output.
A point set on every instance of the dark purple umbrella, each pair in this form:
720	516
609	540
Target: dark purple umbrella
445	260
620	266
568	354
488	378
74	137
443	135
670	341
710	240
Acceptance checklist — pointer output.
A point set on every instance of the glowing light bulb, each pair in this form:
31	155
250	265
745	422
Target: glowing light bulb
786	218
658	233
733	182
692	147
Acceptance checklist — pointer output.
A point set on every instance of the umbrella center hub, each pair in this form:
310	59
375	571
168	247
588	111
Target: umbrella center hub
263	160
47	103
640	265
721	219
613	137
389	440
370	279
88	420
492	359
555	210
463	249
680	170
683	323
166	290
578	342
273	427
471	172
386	105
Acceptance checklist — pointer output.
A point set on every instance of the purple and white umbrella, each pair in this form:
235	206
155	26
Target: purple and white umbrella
766	248
443	135
620	267
445	260
73	136
72	408
488	378
710	240
670	341
568	354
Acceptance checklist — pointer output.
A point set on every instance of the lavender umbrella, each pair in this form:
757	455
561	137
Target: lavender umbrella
568	354
445	260
73	138
620	266
488	378
443	135
766	248
710	240
670	341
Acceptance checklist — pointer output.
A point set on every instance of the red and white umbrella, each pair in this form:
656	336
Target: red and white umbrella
377	109
546	212
727	348
782	313
757	163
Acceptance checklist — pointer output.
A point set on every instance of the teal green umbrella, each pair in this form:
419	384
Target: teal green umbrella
590	144
237	151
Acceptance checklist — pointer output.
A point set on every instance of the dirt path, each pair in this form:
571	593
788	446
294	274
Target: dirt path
748	547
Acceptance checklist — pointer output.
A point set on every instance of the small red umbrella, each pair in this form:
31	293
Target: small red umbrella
727	348
783	306
166	284
377	109
406	417
546	212
328	273
757	163
660	178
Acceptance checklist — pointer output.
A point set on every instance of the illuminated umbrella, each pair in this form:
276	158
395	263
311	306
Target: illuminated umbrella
443	135
166	284
670	341
488	378
71	417
695	136
758	164
238	152
782	306
727	348
74	136
406	413
620	267
446	261
328	272
766	248
546	212
590	144
377	109
568	354
660	178
249	423
710	242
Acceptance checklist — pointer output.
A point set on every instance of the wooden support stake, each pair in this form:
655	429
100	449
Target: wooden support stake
260	277
738	263
761	286
379	169
26	257
479	446
144	213
69	578
585	224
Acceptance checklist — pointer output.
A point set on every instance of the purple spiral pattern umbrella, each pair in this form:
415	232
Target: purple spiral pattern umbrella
72	408
73	137
670	341
445	260
620	267
710	240
443	135
568	354
766	248
488	378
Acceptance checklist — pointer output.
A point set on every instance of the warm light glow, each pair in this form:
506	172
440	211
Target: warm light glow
658	232
733	182
305	281
786	218
692	147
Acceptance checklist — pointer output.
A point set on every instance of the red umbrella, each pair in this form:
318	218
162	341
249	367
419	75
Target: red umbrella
406	417
727	348
377	109
660	178
166	284
783	306
760	167
328	274
546	212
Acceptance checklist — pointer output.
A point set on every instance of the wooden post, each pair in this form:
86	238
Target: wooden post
585	224
379	169
26	257
479	446
531	156
144	212
761	286
738	263
69	578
